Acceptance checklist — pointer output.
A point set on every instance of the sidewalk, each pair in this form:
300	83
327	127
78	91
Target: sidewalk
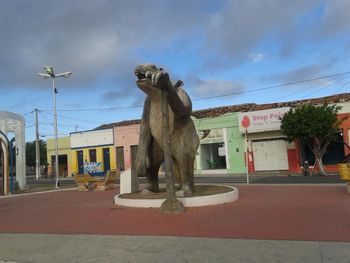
40	248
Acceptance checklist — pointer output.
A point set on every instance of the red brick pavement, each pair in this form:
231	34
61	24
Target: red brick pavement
261	212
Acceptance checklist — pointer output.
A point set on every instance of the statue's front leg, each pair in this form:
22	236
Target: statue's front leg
143	158
156	158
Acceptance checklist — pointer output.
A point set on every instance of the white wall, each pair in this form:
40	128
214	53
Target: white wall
91	138
345	107
11	122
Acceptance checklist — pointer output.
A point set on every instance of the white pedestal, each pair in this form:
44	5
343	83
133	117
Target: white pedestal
129	182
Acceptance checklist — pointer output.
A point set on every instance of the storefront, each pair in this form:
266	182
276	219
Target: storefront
338	149
266	145
93	152
221	146
212	149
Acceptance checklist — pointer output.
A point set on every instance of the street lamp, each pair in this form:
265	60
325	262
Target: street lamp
50	74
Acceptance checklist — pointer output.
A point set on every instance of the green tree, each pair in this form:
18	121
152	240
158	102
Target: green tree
30	153
316	125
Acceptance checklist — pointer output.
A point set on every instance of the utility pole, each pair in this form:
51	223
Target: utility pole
37	146
76	126
50	74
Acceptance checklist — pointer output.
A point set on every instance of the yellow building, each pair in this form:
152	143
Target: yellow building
64	156
102	156
92	152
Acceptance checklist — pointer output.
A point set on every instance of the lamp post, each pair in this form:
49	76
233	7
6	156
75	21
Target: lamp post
50	74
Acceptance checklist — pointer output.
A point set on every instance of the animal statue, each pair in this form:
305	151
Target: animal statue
183	136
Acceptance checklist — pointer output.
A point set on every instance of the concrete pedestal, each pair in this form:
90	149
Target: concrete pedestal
195	201
129	182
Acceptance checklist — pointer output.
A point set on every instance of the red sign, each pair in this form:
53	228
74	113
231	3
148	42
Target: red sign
245	122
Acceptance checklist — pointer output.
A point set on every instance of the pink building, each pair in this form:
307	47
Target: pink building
126	140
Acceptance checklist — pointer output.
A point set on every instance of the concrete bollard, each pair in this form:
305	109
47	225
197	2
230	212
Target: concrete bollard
129	182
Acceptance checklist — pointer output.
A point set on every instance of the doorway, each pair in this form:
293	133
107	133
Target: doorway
106	159
120	158
213	156
62	165
133	149
270	155
80	158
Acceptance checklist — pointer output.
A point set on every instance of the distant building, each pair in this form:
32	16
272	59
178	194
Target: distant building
231	137
126	140
92	152
64	156
221	147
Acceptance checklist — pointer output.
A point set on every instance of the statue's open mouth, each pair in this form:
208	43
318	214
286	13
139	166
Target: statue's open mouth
144	71
141	76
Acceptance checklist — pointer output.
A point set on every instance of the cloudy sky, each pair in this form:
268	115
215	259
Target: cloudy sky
226	52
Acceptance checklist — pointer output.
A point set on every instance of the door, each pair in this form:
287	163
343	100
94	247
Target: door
133	149
270	155
53	165
120	158
106	159
80	158
63	165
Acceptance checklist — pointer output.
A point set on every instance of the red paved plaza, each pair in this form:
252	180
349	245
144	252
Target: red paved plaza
261	212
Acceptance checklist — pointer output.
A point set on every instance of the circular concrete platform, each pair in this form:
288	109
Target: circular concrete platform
206	200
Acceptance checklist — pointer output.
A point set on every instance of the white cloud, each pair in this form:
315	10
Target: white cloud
207	88
256	57
103	39
243	25
89	37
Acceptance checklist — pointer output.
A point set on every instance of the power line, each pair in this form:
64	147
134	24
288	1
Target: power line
98	109
341	88
71	118
273	87
335	79
43	115
60	124
51	135
28	116
323	88
217	96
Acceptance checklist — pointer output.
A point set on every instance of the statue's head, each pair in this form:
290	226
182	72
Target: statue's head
142	69
144	72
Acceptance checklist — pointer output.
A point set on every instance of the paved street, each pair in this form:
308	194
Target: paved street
229	179
268	223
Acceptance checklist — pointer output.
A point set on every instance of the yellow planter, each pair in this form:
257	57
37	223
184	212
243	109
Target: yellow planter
344	171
